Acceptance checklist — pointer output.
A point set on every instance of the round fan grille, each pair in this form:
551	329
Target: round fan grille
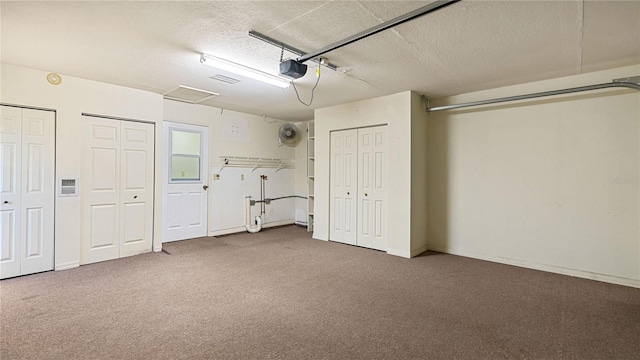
288	134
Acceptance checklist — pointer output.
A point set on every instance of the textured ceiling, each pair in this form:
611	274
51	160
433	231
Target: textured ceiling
468	46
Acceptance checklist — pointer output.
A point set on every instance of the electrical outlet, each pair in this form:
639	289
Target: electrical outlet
216	176
241	177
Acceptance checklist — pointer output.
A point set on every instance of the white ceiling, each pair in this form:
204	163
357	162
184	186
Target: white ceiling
468	46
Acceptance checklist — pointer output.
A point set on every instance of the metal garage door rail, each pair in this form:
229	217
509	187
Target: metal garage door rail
631	83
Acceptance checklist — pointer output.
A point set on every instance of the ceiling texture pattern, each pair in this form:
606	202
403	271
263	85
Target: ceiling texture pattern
468	46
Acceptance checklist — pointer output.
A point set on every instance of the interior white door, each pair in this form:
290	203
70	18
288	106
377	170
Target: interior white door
372	187
117	189
186	181
342	188
136	190
27	153
101	181
38	190
10	155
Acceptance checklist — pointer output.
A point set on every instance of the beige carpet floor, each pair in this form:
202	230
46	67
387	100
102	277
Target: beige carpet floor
279	294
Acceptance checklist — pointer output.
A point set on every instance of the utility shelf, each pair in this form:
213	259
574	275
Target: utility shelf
255	162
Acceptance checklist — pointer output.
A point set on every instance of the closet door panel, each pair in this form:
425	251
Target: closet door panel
10	187
343	186
101	183
38	183
372	188
136	194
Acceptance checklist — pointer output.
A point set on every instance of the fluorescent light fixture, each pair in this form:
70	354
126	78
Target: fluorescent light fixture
245	71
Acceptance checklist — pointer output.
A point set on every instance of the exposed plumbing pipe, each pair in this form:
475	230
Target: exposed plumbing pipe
252	228
263	207
248	203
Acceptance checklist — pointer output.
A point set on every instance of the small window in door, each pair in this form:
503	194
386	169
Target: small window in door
185	156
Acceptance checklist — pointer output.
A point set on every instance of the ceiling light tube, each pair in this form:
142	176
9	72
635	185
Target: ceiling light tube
245	71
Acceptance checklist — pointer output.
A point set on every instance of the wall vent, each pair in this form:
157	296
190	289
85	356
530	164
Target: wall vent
69	187
225	79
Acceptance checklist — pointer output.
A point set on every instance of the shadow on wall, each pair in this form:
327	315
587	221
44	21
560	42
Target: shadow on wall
437	181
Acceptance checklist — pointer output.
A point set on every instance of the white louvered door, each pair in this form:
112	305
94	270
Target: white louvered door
27	153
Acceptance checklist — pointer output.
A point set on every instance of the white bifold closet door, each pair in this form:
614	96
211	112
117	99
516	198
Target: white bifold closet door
27	156
358	187
117	189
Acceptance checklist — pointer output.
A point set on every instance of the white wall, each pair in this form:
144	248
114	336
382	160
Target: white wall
231	133
551	183
237	134
395	111
27	87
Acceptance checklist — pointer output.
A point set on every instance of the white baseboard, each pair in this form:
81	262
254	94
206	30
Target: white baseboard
419	250
543	267
401	253
243	229
67	265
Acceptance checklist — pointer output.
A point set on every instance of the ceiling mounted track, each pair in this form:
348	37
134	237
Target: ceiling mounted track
434	6
630	83
289	48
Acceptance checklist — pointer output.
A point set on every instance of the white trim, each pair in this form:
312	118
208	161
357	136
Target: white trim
243	229
543	267
67	265
419	250
401	253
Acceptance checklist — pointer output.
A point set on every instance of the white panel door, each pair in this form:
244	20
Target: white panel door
185	181
38	190
117	189
27	191
101	196
372	187
136	188
342	188
10	150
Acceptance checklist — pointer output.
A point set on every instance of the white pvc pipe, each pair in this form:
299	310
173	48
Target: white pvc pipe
248	225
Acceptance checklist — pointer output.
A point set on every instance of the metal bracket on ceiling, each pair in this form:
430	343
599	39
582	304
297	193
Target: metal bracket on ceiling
633	79
289	48
425	100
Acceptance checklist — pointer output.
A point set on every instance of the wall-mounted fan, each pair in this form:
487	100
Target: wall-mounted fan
288	134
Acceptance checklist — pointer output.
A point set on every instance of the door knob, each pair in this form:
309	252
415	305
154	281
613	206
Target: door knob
348	193
365	194
205	187
6	202
135	196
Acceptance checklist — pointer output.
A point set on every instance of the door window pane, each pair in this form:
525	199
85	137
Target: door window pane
185	142
185	168
185	155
